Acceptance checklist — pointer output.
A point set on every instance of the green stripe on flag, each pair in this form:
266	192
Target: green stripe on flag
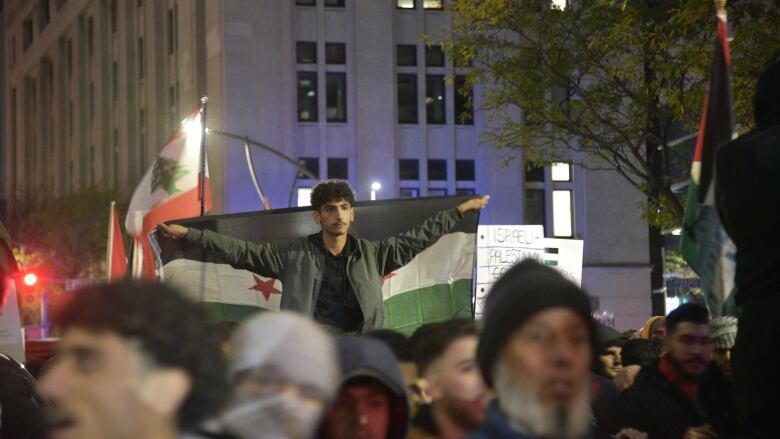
227	312
405	312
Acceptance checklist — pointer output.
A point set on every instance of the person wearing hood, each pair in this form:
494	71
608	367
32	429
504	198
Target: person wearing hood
284	372
371	401
747	192
536	351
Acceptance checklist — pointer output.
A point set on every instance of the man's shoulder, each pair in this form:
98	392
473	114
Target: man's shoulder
756	139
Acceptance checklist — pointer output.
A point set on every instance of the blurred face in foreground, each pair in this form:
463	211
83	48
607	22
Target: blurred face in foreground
543	375
266	404
690	349
456	385
361	410
102	386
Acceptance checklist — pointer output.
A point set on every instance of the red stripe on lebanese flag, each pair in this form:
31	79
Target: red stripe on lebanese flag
185	205
117	258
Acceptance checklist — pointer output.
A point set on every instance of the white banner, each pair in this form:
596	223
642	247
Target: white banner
501	247
11	342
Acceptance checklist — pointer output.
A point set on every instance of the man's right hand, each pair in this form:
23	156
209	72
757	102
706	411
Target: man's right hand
174	231
703	432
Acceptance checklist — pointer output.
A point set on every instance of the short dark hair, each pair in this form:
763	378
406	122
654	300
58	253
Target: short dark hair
432	340
331	190
397	342
688	312
173	331
641	352
619	342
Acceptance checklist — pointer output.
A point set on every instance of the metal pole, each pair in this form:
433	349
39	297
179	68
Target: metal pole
202	177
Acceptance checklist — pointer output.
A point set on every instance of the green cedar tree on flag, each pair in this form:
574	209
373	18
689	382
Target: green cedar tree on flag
704	244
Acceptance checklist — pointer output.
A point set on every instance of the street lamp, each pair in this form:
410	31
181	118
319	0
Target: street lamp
375	186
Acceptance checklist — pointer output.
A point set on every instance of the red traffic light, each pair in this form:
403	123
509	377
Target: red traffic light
30	279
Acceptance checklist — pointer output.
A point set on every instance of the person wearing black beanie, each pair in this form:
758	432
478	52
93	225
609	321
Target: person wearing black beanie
536	351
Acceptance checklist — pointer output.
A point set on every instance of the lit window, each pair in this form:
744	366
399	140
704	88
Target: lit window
404	4
562	214
433	4
307	96
304	196
561	172
435	99
409	192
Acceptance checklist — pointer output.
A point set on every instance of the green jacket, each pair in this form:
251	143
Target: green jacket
298	263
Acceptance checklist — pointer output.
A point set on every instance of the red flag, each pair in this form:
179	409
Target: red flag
115	251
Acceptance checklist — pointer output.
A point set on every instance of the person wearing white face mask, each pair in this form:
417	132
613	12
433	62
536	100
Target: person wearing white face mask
284	372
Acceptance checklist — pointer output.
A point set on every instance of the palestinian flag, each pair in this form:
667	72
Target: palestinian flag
169	190
435	285
704	244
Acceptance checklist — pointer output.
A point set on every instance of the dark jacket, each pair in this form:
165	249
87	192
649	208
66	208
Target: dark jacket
22	409
658	407
748	200
298	263
496	426
366	357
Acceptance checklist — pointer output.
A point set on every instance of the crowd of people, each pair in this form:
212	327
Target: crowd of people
142	360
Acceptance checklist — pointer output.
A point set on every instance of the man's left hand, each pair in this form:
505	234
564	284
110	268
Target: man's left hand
474	204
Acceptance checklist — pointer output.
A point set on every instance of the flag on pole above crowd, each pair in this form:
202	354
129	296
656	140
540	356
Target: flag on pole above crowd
116	259
169	190
704	244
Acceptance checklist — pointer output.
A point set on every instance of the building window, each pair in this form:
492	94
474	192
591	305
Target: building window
306	52
27	33
335	53
434	56
45	14
437	170
464	170
307	96
304	2
406	54
465	191
336	96
141	66
435	99
114	81
334	3
90	37
337	168
433	4
409	192
535	174
534	207
407	98
463	93
311	164
405	4
112	15
437	192
408	169
562	213
561	172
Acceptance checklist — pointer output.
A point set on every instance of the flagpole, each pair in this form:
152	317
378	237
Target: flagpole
202	177
109	246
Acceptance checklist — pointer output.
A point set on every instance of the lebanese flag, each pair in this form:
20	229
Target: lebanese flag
169	190
115	250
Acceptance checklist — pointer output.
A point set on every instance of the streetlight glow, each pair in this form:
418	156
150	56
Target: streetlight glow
375	186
